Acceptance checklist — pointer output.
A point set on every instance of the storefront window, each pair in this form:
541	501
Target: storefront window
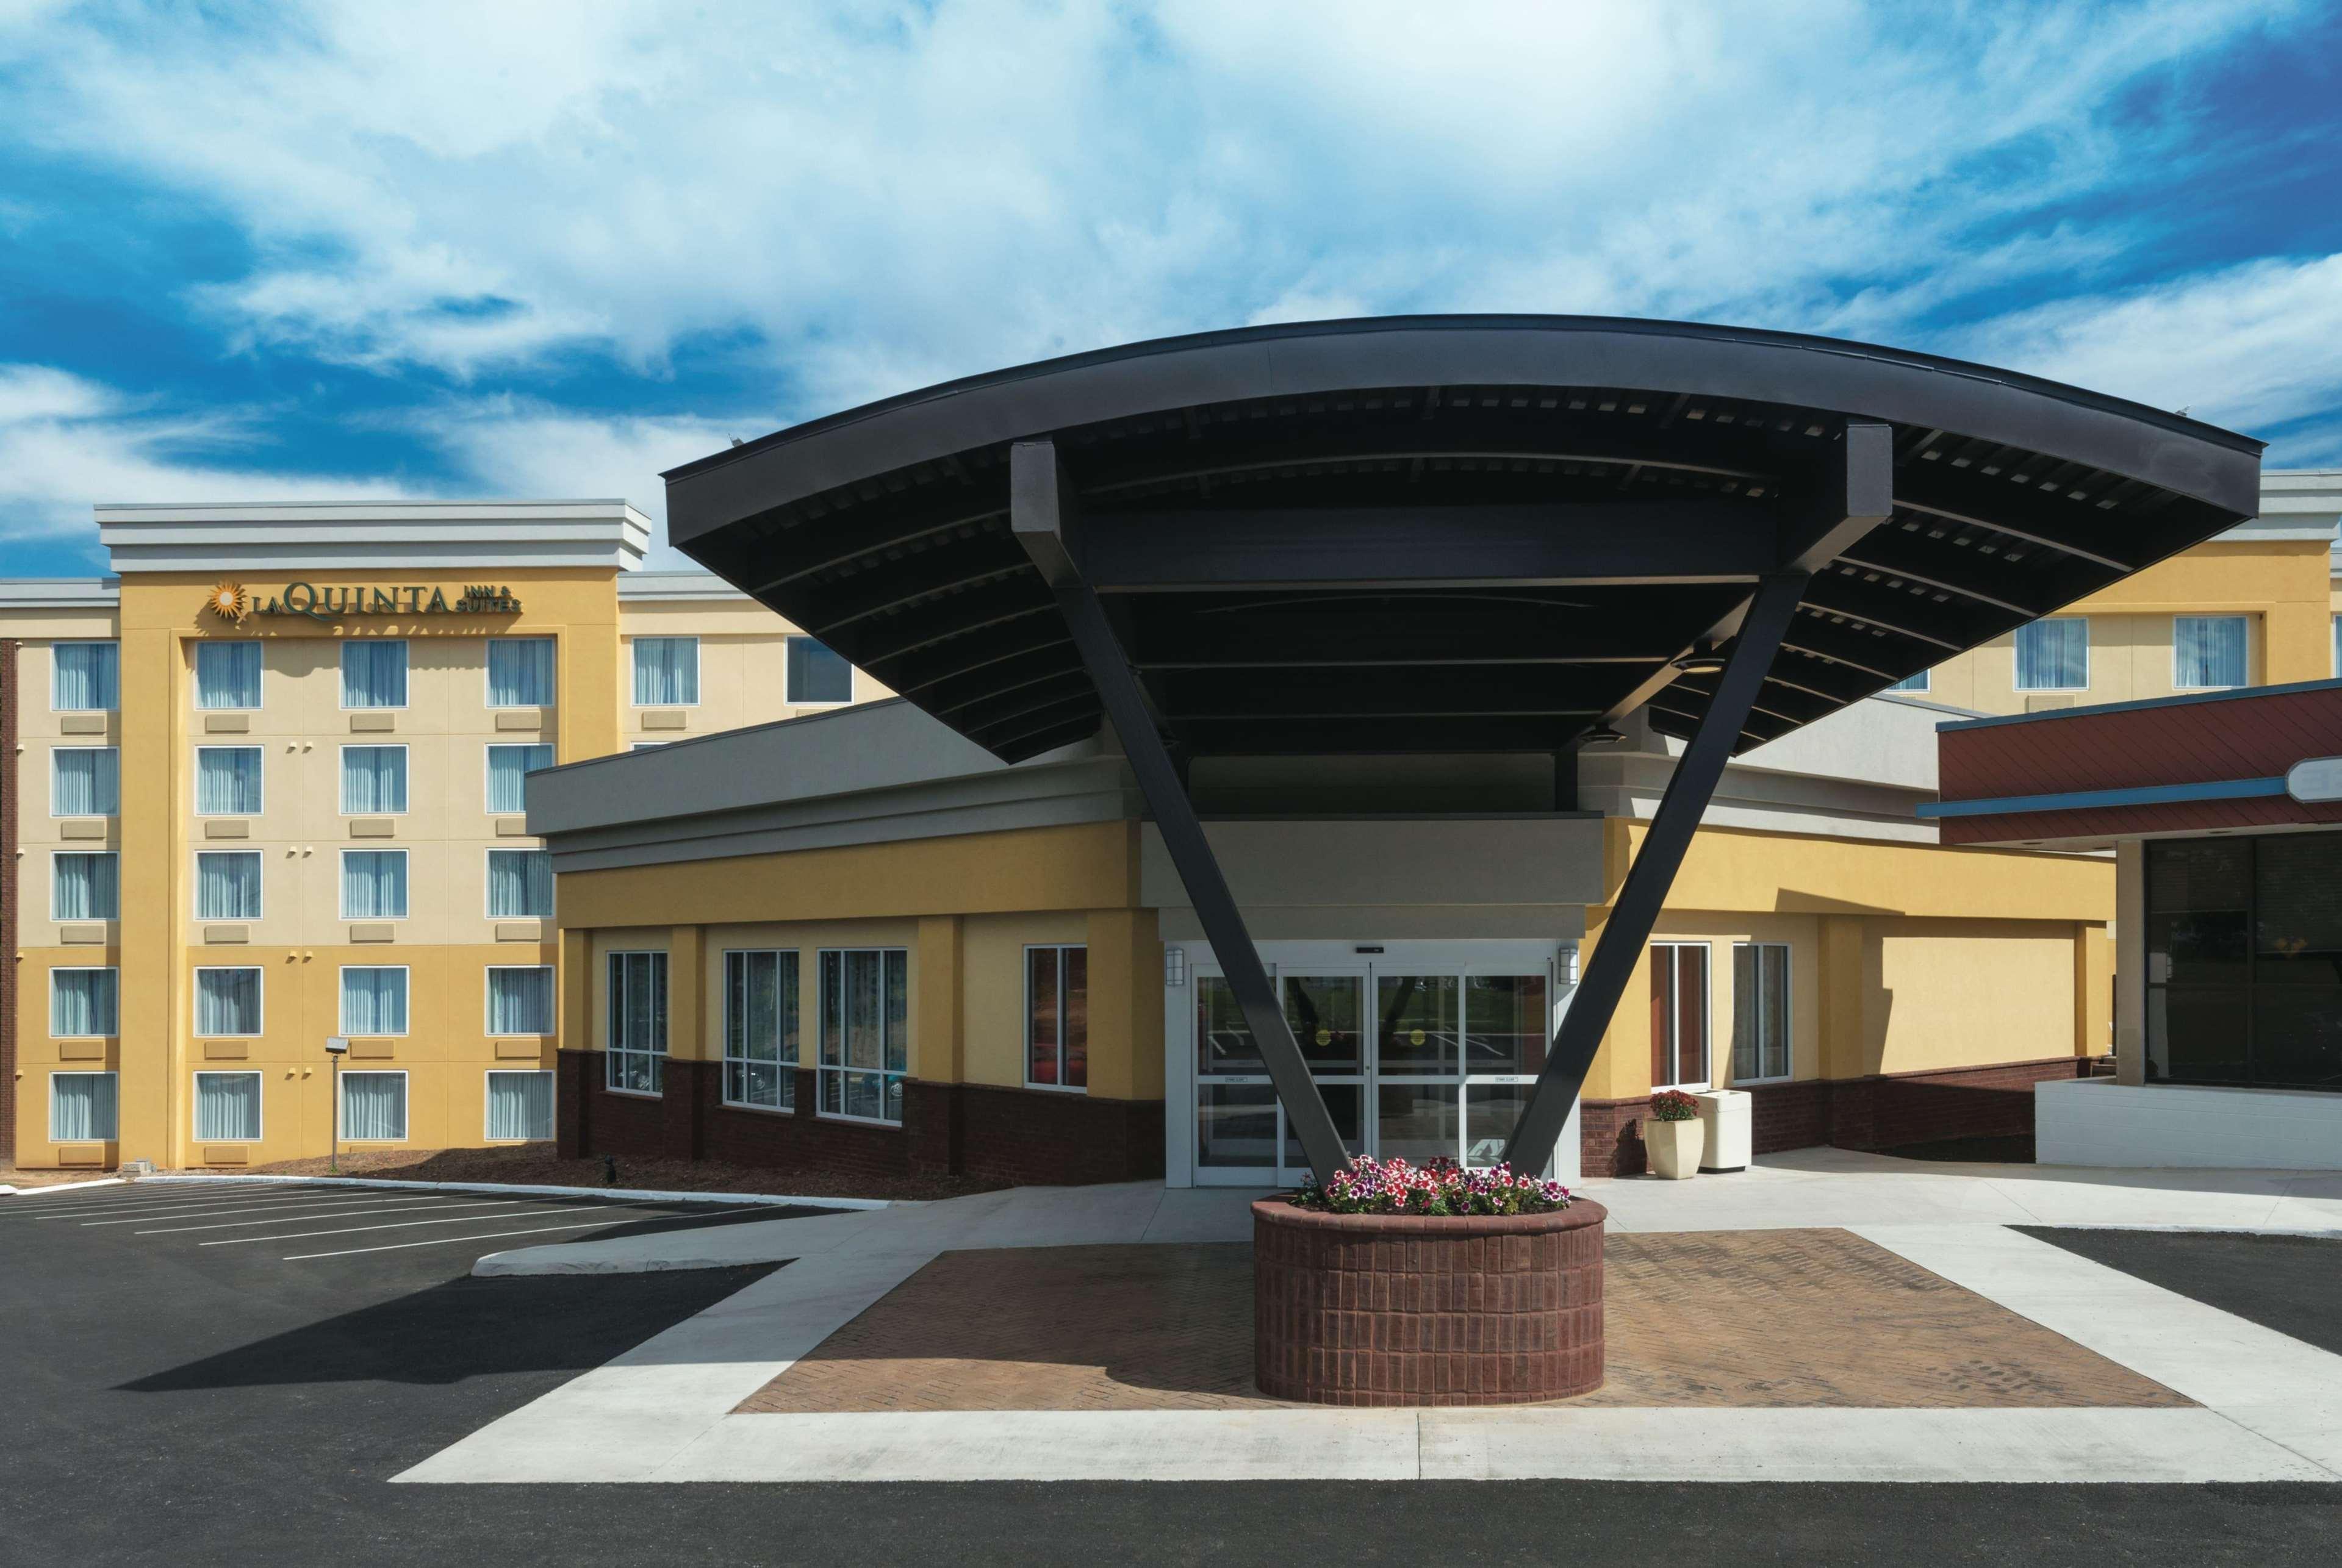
2243	961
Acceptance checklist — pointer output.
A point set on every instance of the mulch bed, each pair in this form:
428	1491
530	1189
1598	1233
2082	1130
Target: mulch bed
535	1168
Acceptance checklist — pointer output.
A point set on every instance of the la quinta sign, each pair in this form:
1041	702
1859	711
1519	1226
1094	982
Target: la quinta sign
230	601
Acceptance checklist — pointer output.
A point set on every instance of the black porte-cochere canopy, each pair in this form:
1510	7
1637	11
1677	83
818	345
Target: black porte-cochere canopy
1452	534
1460	533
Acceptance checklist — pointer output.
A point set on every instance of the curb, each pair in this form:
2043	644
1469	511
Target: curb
775	1200
62	1187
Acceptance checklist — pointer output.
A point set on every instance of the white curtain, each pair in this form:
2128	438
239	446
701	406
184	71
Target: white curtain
85	781
520	1000
374	674
374	779
227	781
667	672
228	674
373	1001
520	672
87	677
374	884
2209	650
520	1107
82	1002
520	884
507	767
88	887
227	1107
227	884
80	1106
2053	655
227	1000
373	1105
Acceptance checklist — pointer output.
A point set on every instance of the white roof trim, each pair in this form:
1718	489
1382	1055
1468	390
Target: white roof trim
304	536
60	593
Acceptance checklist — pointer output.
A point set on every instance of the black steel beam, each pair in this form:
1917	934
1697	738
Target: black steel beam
1645	890
1896	552
1369	693
1040	498
1858	496
1268	737
1997	502
916	575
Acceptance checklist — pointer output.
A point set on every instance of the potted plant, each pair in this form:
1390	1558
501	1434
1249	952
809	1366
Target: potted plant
1673	1136
1404	1284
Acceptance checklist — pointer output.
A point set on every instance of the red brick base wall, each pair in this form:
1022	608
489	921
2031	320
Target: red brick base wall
1389	1310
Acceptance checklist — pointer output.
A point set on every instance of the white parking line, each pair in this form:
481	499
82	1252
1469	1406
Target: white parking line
403	1224
235	1209
336	1214
498	1235
124	1202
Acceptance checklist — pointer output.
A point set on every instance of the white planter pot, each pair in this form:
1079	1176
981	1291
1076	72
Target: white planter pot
1674	1147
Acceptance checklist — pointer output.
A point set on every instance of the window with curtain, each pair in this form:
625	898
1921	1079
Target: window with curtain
1918	682
520	999
864	1033
1679	1015
227	884
374	1107
520	884
374	674
1057	1017
760	1029
85	884
373	999
508	765
227	1107
82	1002
817	675
520	672
2053	654
667	672
520	1107
636	1059
227	781
374	781
2207	652
84	677
85	781
228	674
82	1107
1760	1011
374	884
227	1001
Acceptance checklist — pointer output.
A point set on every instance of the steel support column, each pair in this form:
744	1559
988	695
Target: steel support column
1040	499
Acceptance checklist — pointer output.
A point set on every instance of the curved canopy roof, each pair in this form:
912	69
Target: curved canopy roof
1449	534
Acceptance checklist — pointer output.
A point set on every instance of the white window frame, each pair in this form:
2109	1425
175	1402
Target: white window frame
783	1064
57	1073
196	783
1060	949
698	685
195	1003
341	775
1788	1013
489	1137
196	1101
488	686
115	643
822	1071
342	883
489	771
341	999
2337	646
487	883
113	969
195	893
792	640
2248	623
340	1101
341	676
1706	1012
56	884
54	751
611	1050
2016	662
197	691
488	1004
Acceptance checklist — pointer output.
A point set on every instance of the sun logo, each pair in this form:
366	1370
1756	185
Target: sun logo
229	601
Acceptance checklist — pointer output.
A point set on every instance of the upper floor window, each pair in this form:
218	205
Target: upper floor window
82	1002
85	781
227	1001
374	674
227	884
508	769
2053	654
373	999
1057	1017
520	884
520	672
1917	683
82	1106
228	674
520	999
815	675
2207	652
227	781
374	781
667	672
85	677
85	884
374	884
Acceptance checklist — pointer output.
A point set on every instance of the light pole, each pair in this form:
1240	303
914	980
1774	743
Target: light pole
337	1048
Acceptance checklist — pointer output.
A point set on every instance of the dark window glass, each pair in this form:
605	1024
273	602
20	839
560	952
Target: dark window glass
2198	874
2297	910
2195	1035
815	675
2298	1036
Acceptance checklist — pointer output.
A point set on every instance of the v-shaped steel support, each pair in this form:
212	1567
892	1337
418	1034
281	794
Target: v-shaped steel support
1040	512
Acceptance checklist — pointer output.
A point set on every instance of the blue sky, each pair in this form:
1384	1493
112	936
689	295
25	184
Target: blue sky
514	249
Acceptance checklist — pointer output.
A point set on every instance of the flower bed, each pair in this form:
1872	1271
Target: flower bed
1442	1188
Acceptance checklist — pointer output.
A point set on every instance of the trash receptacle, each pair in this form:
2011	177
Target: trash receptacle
1724	1117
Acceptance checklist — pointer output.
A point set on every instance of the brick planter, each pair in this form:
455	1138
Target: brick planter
1387	1310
